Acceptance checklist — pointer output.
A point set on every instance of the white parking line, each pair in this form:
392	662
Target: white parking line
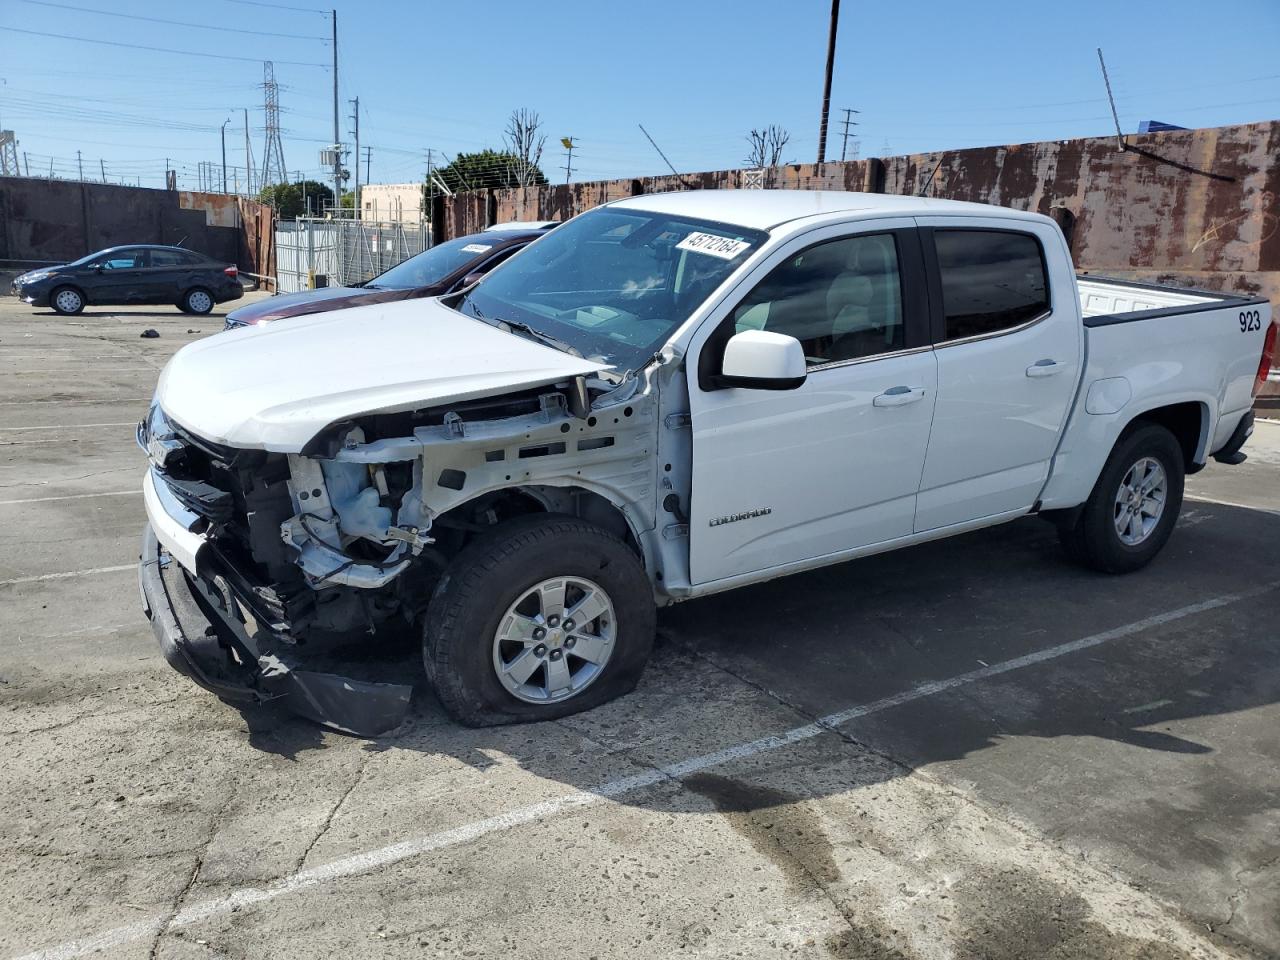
68	574
395	853
1229	503
73	496
28	403
71	426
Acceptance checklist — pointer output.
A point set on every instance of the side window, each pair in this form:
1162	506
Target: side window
841	299
123	261
171	258
991	280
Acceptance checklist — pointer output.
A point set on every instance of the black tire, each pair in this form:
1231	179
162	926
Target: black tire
64	308
490	575
1093	538
202	305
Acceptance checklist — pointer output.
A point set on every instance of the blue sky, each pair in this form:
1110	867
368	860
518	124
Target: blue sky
698	74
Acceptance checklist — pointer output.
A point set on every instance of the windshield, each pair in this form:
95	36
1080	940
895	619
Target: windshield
613	283
432	266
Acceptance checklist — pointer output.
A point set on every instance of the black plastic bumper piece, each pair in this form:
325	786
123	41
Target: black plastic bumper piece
223	658
1231	452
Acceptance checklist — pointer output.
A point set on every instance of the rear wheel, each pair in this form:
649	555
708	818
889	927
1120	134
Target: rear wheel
1132	510
67	300
543	617
197	300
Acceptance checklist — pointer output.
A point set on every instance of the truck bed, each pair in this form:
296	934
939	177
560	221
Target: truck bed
1105	300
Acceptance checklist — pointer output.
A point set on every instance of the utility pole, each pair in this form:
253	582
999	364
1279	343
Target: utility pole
826	85
848	122
26	164
431	199
80	164
248	158
568	163
368	162
337	151
224	154
355	198
102	165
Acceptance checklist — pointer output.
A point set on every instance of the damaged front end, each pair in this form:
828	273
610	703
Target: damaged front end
254	561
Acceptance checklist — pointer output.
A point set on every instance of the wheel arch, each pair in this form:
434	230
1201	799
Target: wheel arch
584	500
1190	423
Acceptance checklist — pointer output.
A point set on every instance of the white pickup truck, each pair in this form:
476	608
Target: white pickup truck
666	397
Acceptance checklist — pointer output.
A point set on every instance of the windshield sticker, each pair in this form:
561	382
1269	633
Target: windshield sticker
476	248
723	247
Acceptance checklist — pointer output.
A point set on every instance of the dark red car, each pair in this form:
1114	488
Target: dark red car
444	268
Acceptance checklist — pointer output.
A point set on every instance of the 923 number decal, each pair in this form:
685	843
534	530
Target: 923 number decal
1250	320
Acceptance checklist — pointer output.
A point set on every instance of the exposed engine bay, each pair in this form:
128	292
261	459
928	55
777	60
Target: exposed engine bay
356	530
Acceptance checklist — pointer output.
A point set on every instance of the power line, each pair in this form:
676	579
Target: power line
172	23
278	6
138	46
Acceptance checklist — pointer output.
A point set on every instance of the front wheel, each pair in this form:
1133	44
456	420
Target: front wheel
1131	512
544	617
67	301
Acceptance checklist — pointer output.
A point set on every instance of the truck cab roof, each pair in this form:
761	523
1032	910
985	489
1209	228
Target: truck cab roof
767	209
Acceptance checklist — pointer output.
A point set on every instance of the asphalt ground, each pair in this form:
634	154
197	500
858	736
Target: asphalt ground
966	749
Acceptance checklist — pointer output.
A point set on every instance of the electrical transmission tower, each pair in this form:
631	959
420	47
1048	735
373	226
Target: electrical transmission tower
9	154
273	168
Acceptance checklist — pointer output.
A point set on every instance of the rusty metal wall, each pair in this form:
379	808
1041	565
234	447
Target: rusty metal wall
1196	207
52	221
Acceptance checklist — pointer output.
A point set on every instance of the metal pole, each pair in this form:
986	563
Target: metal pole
355	199
26	164
80	164
1114	116
248	162
826	86
224	154
337	154
102	165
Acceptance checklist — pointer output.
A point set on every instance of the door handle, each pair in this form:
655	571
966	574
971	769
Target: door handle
1045	368
897	396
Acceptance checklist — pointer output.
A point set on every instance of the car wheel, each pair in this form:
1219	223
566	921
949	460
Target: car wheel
67	300
197	300
1132	510
543	617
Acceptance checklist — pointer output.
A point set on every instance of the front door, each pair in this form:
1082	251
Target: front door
833	465
1009	346
117	277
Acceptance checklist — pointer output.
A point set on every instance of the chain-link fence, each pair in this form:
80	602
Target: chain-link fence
311	251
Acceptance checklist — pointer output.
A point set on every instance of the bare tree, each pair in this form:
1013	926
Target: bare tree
525	143
766	146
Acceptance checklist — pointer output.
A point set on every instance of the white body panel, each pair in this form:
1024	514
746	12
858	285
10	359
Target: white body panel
835	470
1002	400
275	387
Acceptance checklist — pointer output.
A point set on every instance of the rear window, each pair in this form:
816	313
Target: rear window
174	258
991	280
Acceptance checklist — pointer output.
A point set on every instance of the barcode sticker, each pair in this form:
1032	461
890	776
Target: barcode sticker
726	248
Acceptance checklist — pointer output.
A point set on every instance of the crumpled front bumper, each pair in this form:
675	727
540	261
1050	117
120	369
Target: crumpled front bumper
206	636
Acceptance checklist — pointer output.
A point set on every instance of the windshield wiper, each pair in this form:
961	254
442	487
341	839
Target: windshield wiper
522	327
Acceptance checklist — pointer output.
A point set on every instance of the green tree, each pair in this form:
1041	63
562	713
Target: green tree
295	199
488	168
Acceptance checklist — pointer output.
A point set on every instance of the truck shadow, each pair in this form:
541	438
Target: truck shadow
762	660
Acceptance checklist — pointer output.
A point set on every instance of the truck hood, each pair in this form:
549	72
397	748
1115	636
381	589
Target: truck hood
314	301
275	387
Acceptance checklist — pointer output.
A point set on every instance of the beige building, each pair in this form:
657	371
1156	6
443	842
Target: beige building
399	202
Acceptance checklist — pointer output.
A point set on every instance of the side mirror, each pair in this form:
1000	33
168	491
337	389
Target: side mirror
470	278
760	360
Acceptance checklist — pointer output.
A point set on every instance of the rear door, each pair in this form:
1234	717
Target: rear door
1009	342
782	476
171	273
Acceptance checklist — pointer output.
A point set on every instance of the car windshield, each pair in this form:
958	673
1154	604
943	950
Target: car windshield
613	283
432	266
